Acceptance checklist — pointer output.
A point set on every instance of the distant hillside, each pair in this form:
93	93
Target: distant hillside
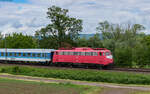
87	36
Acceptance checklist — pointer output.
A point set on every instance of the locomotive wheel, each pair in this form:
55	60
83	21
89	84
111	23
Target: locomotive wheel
86	66
99	67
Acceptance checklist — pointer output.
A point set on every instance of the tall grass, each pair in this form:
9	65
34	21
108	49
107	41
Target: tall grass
83	75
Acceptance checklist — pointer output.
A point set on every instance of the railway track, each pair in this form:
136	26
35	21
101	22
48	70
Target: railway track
131	70
137	70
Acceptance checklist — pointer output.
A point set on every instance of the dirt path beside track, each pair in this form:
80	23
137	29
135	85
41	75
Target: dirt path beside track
122	89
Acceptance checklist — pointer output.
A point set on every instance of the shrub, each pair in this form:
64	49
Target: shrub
83	75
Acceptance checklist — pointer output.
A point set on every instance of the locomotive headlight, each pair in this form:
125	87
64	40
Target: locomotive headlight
109	57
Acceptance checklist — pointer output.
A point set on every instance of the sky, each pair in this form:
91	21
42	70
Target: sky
27	16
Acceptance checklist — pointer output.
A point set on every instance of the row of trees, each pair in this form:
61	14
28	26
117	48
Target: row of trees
129	46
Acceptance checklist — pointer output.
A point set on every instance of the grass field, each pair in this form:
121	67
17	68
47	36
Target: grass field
142	92
8	86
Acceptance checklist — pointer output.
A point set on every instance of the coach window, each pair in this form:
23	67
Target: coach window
46	55
15	54
10	54
2	54
43	54
6	54
33	55
38	55
24	54
29	54
19	54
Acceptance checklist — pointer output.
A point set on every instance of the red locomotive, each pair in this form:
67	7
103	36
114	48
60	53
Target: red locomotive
85	55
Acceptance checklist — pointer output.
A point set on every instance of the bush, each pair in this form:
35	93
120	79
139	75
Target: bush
83	75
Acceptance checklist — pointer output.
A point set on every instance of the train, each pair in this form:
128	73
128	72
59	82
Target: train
79	55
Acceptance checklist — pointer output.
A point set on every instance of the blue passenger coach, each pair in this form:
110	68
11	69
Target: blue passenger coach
36	55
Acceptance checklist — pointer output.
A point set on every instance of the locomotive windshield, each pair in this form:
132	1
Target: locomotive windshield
107	54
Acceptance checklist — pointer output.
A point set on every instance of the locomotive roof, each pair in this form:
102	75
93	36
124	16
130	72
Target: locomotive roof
83	49
27	50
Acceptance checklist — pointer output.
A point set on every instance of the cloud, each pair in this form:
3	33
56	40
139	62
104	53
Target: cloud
31	16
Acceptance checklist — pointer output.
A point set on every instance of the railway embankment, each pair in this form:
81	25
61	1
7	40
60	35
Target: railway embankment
81	75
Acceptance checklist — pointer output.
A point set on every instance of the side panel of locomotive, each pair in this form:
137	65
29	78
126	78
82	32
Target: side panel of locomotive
83	55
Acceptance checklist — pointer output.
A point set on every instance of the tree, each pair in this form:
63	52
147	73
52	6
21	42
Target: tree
18	41
82	42
47	42
95	41
62	28
123	41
